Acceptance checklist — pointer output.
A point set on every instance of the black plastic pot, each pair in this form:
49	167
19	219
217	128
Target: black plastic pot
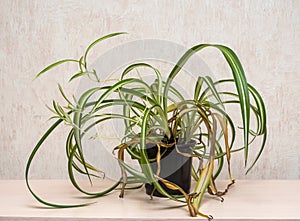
174	167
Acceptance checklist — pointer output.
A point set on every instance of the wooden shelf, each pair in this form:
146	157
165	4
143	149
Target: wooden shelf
246	200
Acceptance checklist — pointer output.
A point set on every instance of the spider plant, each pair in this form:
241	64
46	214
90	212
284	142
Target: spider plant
157	113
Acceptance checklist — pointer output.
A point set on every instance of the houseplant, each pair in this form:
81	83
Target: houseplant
160	124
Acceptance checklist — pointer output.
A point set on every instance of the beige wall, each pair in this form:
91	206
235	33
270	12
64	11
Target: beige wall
265	35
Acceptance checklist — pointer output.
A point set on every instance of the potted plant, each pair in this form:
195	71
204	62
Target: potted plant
163	130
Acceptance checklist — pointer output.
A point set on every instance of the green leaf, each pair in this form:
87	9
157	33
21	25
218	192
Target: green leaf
64	95
79	74
144	162
77	119
260	114
158	79
54	65
115	88
260	151
72	177
134	172
97	41
31	157
69	148
239	79
213	89
198	87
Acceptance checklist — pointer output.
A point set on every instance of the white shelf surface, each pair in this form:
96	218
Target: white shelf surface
246	200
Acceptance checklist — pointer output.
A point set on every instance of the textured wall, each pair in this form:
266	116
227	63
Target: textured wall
265	35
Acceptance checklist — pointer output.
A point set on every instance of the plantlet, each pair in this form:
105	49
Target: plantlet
158	118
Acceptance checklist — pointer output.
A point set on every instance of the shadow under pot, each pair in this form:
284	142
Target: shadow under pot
174	167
